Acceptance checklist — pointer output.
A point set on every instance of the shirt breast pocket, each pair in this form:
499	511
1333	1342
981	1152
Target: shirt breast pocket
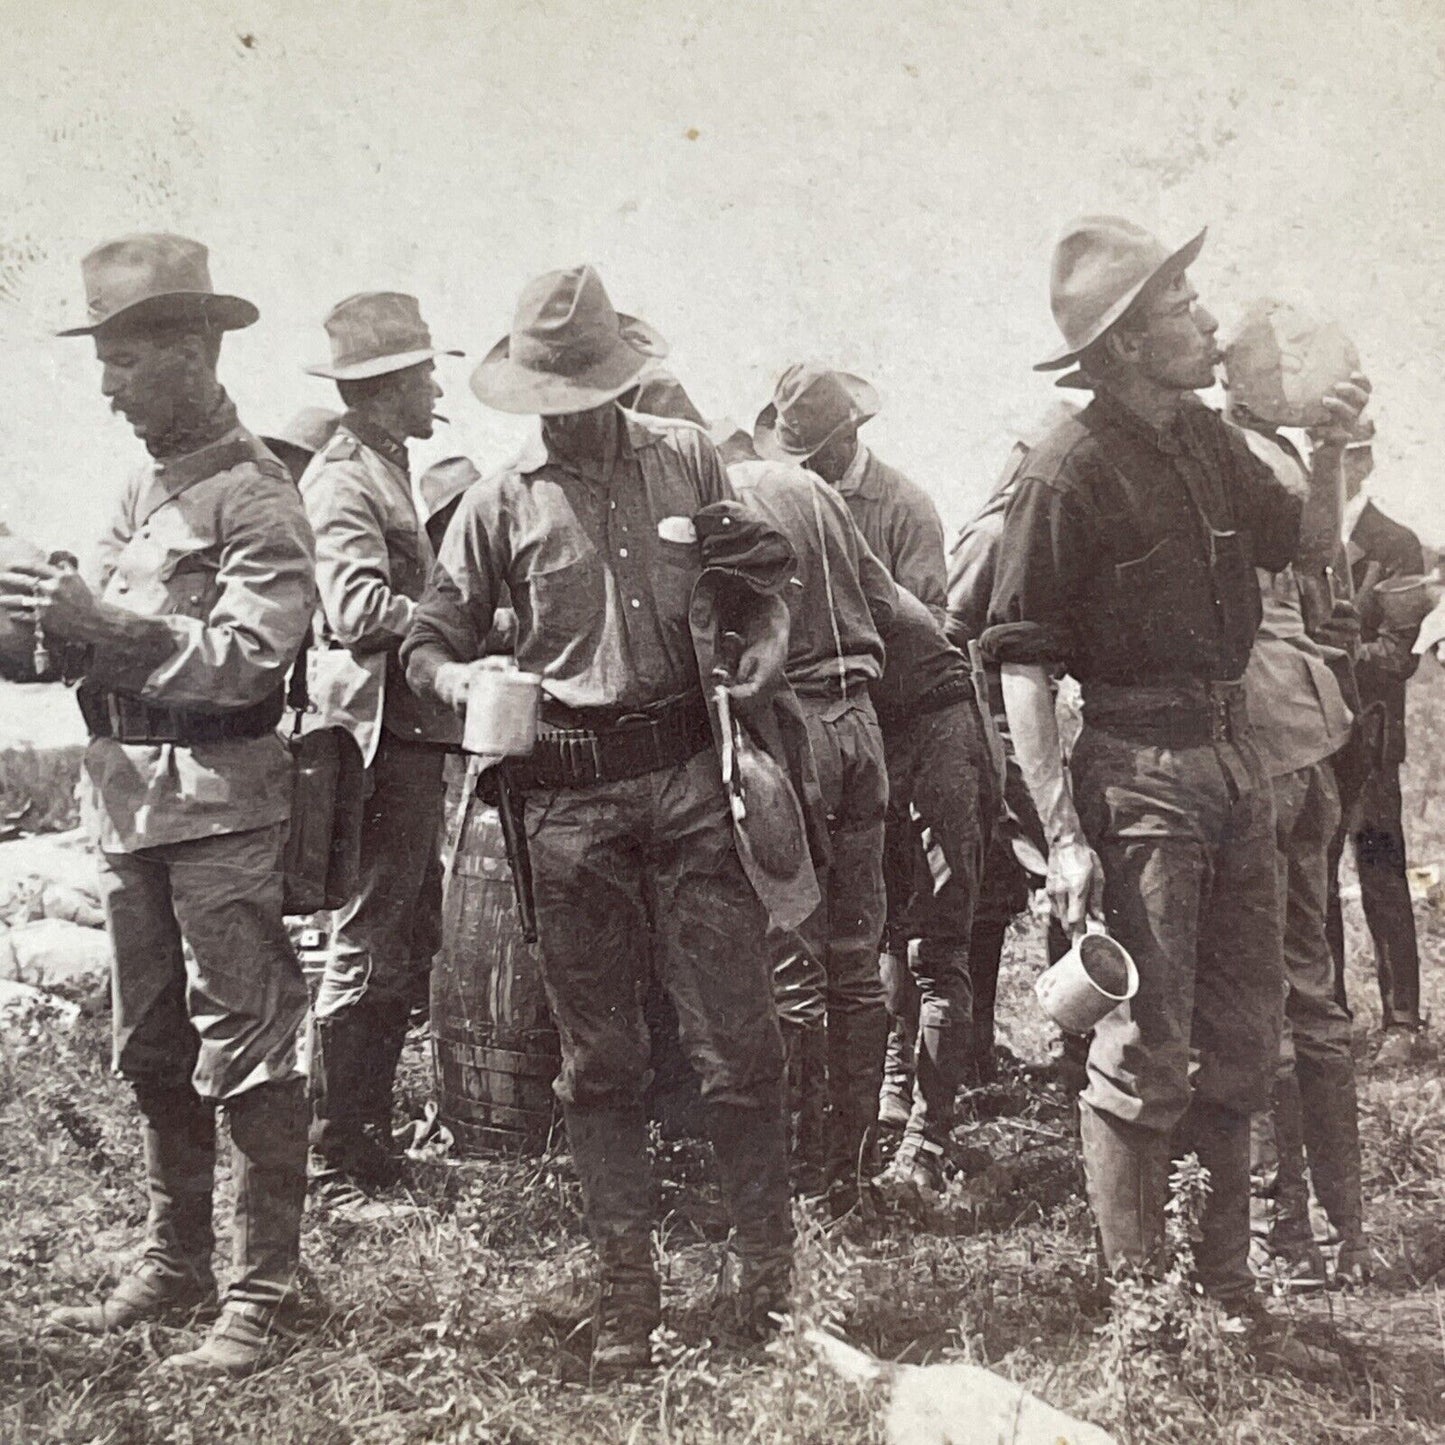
678	566
567	595
190	577
1153	597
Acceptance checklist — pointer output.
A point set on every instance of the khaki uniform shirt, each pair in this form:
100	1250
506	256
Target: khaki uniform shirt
840	595
216	544
600	572
372	559
900	523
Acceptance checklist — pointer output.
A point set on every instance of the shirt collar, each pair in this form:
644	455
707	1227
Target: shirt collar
535	456
379	440
852	480
220	455
1169	439
1350	517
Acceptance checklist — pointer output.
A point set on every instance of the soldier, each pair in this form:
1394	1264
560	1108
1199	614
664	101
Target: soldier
1300	720
372	559
1381	551
626	818
813	420
1128	560
183	639
830	999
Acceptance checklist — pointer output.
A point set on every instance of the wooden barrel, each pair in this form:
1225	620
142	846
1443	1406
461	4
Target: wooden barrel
493	1042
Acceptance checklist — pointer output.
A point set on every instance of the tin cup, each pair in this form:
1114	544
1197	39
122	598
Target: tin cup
1407	601
1092	979
501	720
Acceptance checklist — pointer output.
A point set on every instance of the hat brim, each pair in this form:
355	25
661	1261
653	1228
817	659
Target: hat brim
507	385
1180	260
380	365
220	313
866	405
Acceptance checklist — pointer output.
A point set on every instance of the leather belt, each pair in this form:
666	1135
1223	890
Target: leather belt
1183	716
629	747
129	719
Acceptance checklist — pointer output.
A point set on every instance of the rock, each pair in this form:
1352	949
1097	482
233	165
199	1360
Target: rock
22	1006
71	905
53	953
60	860
955	1404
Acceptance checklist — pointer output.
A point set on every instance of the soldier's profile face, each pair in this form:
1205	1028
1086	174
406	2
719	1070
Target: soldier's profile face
1177	347
145	379
419	393
835	456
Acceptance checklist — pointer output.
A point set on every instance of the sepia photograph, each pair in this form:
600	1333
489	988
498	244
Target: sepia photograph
722	723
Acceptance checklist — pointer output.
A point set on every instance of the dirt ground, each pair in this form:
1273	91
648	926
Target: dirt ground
462	1319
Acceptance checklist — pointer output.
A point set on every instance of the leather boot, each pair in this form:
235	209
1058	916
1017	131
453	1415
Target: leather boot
1126	1170
346	1062
806	1051
1289	1239
174	1279
1220	1137
895	1098
391	1021
268	1153
609	1150
985	953
856	1045
751	1150
629	1307
1330	1125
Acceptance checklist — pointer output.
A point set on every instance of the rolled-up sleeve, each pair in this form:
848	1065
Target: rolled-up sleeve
265	590
353	573
465	589
1038	578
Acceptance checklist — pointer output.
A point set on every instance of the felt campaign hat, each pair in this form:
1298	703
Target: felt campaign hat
1101	266
151	279
811	404
374	333
569	349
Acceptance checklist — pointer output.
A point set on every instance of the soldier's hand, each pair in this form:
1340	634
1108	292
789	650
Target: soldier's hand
760	665
1074	884
451	682
1342	628
1346	402
55	597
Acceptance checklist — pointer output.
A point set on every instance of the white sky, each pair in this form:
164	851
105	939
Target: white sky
877	185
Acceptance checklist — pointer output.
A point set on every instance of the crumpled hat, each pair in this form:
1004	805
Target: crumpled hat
374	333
568	350
154	278
1101	265
811	404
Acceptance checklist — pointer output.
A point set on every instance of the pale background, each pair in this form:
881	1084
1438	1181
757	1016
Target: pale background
877	185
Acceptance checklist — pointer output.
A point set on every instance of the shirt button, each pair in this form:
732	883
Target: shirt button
636	603
622	551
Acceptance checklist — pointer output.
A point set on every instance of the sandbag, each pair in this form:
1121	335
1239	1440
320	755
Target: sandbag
51	953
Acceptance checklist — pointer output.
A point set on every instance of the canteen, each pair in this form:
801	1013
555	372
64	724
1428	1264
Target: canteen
1282	360
501	719
1091	980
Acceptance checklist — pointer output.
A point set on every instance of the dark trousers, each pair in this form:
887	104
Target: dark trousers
1374	826
940	782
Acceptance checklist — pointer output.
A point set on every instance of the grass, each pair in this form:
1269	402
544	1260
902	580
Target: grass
463	1321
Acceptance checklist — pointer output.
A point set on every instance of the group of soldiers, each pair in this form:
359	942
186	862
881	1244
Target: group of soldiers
825	955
